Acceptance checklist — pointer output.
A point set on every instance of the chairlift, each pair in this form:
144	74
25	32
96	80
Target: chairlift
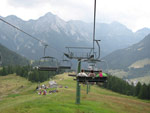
48	63
79	53
91	56
94	68
65	64
91	64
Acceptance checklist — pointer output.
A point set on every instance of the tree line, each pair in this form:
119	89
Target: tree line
118	85
113	83
28	72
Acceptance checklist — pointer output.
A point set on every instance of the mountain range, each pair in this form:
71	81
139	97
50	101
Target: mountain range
58	34
126	52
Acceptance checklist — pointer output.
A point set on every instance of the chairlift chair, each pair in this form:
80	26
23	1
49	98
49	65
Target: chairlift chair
48	63
79	53
65	64
93	63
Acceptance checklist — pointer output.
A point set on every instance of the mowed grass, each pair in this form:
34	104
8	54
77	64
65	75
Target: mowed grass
12	84
22	98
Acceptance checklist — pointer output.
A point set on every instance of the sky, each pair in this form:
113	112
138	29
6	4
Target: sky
135	14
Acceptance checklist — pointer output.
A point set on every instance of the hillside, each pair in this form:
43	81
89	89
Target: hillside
11	58
135	59
17	95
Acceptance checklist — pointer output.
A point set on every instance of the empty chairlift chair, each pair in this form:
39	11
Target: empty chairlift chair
48	63
65	64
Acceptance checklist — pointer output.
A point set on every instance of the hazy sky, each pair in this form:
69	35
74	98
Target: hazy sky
135	14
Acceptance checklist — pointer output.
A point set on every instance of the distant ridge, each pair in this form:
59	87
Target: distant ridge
11	58
135	59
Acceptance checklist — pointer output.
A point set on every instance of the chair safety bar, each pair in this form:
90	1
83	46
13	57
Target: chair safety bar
91	79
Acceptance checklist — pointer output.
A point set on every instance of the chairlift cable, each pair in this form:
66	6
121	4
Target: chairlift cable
23	31
45	44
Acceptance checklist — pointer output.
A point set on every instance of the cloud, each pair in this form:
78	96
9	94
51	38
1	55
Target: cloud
66	9
26	3
133	13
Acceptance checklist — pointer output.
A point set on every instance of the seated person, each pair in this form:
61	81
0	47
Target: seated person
91	74
101	74
104	75
82	74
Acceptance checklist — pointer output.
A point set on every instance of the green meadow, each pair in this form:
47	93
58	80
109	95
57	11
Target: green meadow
18	95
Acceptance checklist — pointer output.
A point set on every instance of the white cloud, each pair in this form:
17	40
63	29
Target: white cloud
26	3
133	13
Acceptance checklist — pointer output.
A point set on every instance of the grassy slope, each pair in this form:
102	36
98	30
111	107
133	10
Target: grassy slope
118	73
121	74
140	63
17	99
145	79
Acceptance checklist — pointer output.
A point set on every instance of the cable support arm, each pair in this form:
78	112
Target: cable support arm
97	41
94	24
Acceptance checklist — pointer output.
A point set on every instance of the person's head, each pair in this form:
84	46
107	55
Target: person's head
82	70
100	71
92	71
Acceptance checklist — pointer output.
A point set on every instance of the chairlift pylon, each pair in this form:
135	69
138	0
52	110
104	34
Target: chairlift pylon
90	56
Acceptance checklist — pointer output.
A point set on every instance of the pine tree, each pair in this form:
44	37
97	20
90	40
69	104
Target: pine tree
143	92
148	91
137	89
4	71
